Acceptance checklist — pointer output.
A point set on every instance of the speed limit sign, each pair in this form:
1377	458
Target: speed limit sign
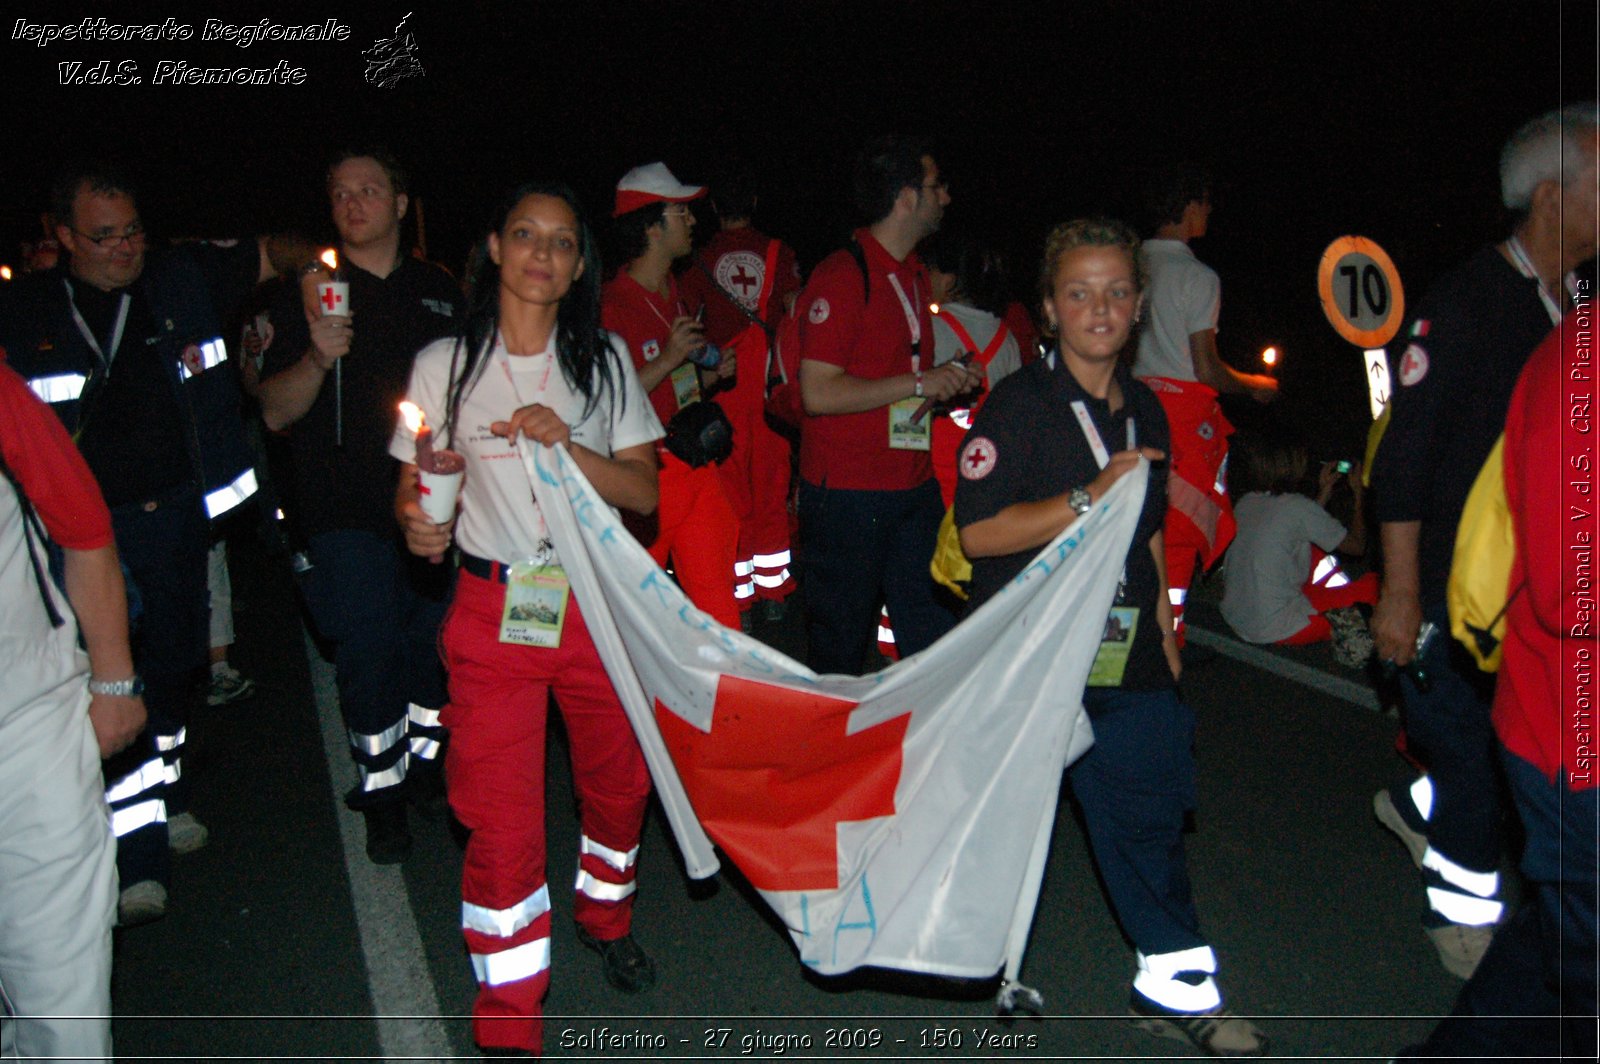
1361	293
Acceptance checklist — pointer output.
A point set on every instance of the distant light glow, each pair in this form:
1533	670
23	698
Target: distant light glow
5	273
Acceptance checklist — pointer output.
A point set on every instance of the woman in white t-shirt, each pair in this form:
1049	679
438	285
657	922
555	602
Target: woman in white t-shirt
1284	583
532	367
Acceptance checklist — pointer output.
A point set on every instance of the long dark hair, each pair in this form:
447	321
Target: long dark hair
582	347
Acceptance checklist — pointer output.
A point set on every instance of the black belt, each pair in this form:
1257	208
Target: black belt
484	569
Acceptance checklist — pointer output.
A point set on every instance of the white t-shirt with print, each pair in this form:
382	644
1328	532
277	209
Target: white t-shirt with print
500	517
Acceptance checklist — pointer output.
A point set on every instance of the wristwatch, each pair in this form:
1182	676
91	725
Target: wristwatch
1079	500
129	688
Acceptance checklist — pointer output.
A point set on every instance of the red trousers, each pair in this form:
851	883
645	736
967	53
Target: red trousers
697	528
1199	524
1327	588
495	764
756	479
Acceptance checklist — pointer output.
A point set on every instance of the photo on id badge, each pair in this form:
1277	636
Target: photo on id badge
906	434
1115	644
536	606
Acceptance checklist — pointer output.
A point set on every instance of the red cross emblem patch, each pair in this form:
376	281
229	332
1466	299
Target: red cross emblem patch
978	458
1413	365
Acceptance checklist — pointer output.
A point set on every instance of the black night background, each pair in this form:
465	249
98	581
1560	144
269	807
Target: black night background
1319	119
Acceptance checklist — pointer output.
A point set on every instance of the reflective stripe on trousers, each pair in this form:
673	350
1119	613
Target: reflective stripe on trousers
1157	979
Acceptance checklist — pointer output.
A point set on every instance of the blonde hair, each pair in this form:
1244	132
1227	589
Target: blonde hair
1088	233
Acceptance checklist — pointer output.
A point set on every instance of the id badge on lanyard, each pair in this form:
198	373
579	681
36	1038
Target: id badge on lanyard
904	433
536	605
1116	642
685	385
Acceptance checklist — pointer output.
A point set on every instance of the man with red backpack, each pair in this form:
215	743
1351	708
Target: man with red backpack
744	282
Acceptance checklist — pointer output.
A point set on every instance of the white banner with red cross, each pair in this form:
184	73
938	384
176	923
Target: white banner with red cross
899	819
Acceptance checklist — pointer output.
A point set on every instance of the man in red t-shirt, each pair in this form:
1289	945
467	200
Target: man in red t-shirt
695	524
744	282
869	503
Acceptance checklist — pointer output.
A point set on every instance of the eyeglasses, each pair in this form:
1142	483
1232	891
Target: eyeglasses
134	234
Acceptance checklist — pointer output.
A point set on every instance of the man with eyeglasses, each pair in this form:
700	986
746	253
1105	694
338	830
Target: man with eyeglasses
869	503
128	351
335	382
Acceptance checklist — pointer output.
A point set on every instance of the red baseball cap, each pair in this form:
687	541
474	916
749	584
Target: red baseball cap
652	183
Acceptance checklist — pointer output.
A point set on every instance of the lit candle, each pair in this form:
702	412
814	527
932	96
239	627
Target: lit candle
334	296
439	472
411	414
1269	359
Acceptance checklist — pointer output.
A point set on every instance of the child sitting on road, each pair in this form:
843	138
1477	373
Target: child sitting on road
1284	584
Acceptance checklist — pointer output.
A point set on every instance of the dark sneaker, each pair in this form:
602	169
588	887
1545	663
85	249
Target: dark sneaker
627	967
1216	1031
425	788
227	686
388	840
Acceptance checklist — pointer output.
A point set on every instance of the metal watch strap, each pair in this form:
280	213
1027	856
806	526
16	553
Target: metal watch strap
133	685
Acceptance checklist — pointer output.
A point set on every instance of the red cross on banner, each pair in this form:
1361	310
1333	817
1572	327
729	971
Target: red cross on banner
777	774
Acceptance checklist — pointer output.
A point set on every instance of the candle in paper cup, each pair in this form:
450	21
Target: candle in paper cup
439	471
334	297
334	294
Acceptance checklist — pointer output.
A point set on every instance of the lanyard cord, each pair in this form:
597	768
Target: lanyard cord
913	322
1519	255
88	334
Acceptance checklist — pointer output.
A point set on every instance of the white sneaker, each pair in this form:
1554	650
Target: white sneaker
141	903
227	685
185	834
1461	946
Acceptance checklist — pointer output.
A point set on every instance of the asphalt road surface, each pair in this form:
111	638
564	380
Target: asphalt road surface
283	943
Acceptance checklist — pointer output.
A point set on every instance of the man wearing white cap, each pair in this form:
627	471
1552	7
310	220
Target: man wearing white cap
696	525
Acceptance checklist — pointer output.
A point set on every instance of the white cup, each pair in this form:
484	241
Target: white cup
438	493
334	297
